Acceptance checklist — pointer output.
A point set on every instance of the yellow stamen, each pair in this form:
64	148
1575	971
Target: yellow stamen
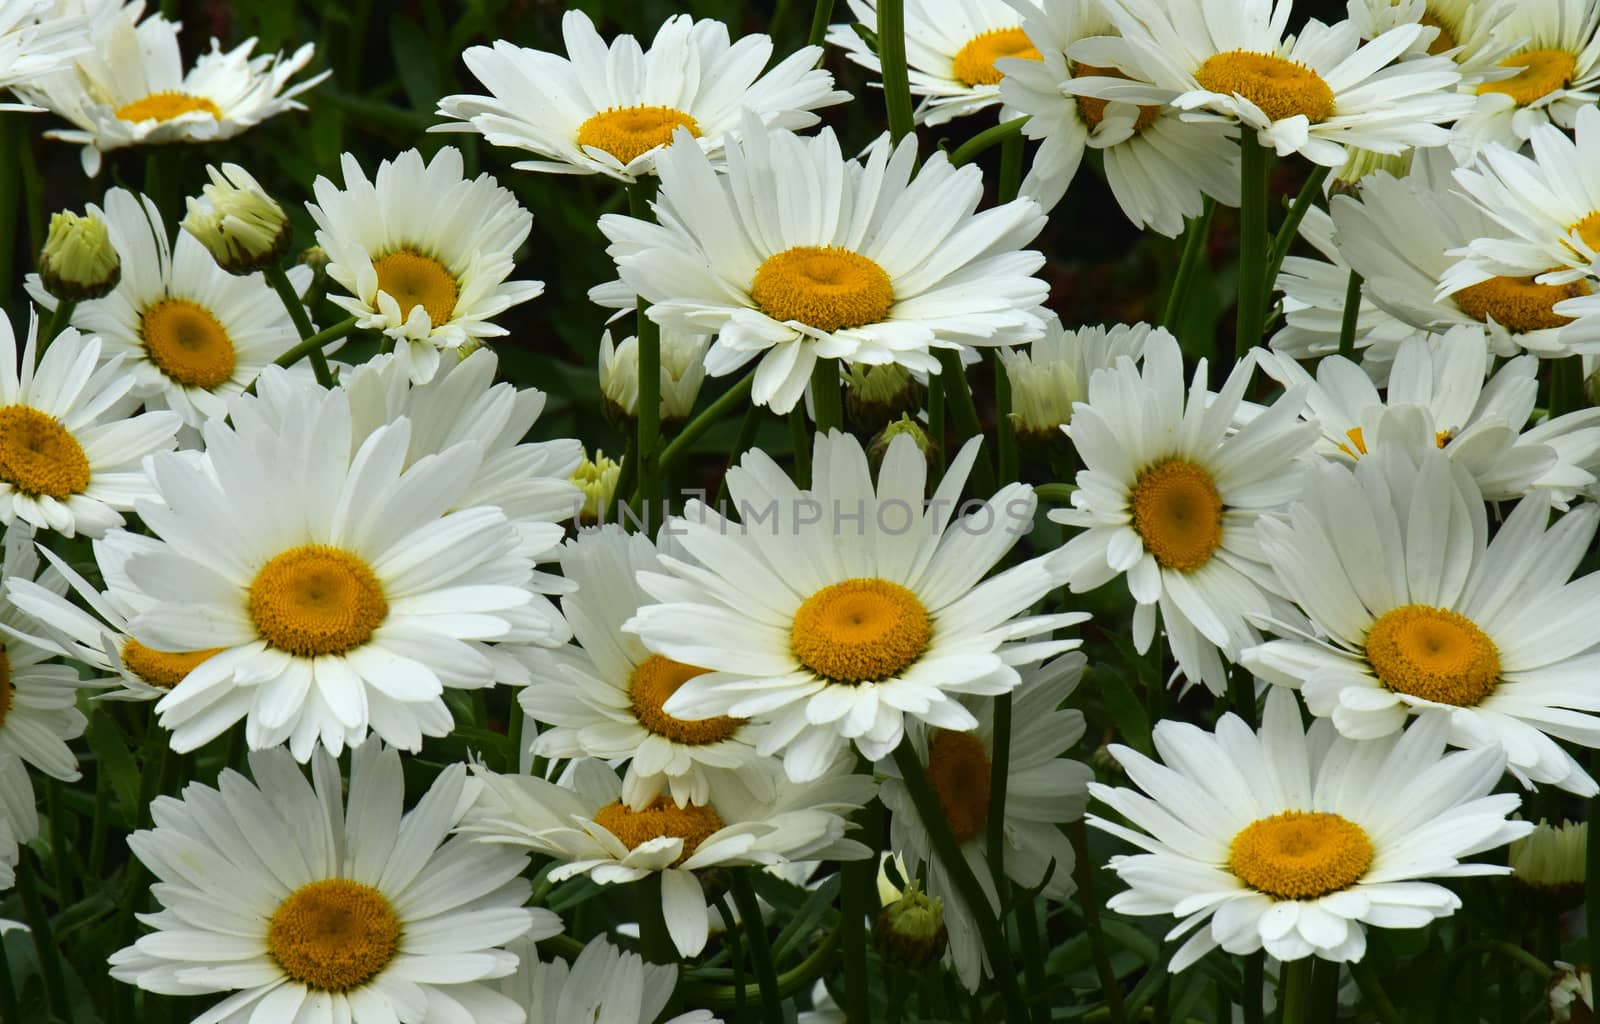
1445	40
1519	304
974	62
38	456
1281	88
654	680
860	630
694	824
628	133
1300	855
334	935
958	768
1433	653
1093	109
166	105
823	287
164	669
187	343
316	600
413	280
1543	72
1177	513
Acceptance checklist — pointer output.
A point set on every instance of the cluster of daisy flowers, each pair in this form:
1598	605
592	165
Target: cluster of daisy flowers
1322	601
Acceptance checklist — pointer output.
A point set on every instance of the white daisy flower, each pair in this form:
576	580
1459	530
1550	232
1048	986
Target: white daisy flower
612	110
1169	497
604	984
19	821
423	252
1313	94
1438	393
1463	30
1296	843
754	816
1415	609
1158	165
191	333
1557	73
131	89
951	50
866	263
342	595
834	615
69	457
1043	792
602	698
37	39
307	911
39	714
1051	375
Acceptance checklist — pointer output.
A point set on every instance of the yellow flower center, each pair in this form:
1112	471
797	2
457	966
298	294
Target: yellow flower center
1093	109
628	133
7	691
823	287
166	105
1177	513
1433	653
1519	304
860	630
974	62
660	817
958	768
334	935
1445	40
1543	72
654	680
1588	229
1300	855
38	456
413	280
164	669
316	600
1281	88
187	343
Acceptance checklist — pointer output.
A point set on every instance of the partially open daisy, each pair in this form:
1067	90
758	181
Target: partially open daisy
39	713
69	458
1296	843
1169	497
611	111
1043	792
952	47
424	253
1158	165
1463	30
36	39
603	984
131	88
1050	376
1556	61
875	264
1415	610
191	333
602	698
309	909
842	611
337	592
754	816
1313	94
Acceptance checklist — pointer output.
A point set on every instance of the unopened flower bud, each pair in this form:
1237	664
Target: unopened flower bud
683	370
242	227
1362	162
1570	997
910	931
316	258
905	425
1549	864
878	395
78	261
597	479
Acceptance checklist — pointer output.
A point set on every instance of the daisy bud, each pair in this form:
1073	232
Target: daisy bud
910	931
78	261
316	258
904	425
1363	162
1550	863
683	370
1570	997
878	395
242	227
597	479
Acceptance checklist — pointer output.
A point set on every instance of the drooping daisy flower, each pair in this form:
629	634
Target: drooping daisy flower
754	816
39	713
68	461
1158	165
36	40
337	591
1415	610
1313	94
1295	843
1169	497
874	265
612	110
1557	73
423	252
1043	792
191	333
603	697
833	615
304	910
1437	391
1463	30
604	984
951	50
130	88
1051	375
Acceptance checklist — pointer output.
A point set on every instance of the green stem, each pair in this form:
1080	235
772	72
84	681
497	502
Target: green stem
59	319
986	140
1194	254
58	844
1349	316
1033	957
819	22
655	942
1251	308
1010	168
1566	385
1289	230
892	56
855	878
963	412
730	929
999	775
514	717
1056	494
1296	995
625	479
1255	978
302	321
827	403
936	424
161	183
800	444
55	984
1083	874
317	342
744	897
967	886
1324	991
727	997
1005	430
1372	993
648	332
708	417
741	443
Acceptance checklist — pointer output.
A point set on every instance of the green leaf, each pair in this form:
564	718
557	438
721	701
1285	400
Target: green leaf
114	758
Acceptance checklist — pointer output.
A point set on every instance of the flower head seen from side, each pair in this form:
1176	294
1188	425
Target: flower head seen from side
604	984
304	908
1414	610
1296	843
612	110
1043	791
1159	166
69	457
1169	497
845	611
1555	65
423	251
242	227
753	816
872	264
1051	375
683	371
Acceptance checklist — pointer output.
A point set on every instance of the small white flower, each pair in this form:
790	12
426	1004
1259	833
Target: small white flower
604	984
